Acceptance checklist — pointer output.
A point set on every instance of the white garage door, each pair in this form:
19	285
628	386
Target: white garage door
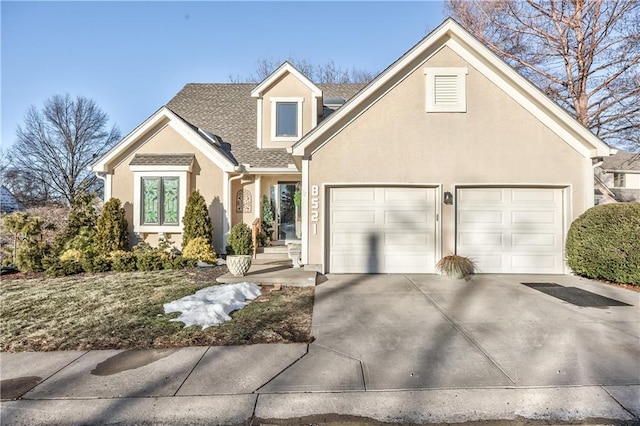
511	230
382	230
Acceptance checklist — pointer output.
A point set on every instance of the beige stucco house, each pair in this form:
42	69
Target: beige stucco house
449	150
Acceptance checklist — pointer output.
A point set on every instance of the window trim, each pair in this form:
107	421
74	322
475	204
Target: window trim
461	75
274	119
183	185
619	178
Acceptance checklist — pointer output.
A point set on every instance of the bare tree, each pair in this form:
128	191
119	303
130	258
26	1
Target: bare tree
585	54
56	145
326	73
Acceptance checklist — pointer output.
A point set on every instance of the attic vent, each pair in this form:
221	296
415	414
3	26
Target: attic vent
446	89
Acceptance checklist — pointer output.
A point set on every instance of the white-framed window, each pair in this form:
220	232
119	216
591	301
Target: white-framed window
446	89
160	198
619	180
286	119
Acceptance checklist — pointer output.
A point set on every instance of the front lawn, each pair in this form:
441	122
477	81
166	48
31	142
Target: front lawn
124	311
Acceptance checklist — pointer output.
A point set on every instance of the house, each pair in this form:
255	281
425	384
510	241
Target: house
618	178
448	150
8	202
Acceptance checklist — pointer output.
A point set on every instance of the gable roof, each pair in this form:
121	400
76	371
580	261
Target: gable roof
8	202
165	117
229	111
622	162
285	68
455	37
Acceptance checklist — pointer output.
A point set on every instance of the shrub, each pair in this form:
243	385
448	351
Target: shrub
123	261
199	249
81	225
604	243
62	268
179	262
240	241
111	231
72	254
30	255
267	216
197	222
96	263
149	260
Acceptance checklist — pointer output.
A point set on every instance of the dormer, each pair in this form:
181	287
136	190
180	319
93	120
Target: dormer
289	105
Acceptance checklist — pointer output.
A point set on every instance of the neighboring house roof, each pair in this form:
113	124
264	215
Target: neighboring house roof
622	161
8	202
454	36
229	111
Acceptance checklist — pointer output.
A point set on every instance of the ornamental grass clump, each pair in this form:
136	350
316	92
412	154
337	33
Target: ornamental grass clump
455	266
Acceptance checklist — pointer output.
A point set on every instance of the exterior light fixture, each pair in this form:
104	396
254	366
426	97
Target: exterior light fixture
448	198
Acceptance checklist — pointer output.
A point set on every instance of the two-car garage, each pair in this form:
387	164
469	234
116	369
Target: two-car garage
391	229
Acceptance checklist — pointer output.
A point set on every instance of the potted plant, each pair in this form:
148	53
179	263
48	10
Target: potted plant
455	266
267	217
239	249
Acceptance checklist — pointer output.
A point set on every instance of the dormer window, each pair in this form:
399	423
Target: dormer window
286	119
446	89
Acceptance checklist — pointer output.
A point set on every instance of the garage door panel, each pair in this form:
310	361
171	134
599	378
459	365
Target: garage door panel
527	241
520	231
485	195
478	217
353	196
365	217
480	239
534	217
380	226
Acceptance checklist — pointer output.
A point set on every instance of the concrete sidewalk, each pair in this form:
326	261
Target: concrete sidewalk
388	348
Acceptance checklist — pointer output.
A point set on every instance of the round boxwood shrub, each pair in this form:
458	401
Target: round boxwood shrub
240	241
604	243
123	261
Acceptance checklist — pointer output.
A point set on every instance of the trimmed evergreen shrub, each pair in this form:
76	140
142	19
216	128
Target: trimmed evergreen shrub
199	249
96	263
63	268
197	222
81	225
30	255
123	261
149	260
240	241
604	243
179	262
111	231
72	254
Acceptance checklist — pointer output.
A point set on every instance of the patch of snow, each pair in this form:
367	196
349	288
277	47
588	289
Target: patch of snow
221	262
212	305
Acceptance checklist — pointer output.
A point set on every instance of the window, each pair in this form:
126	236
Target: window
446	89
160	197
618	180
286	119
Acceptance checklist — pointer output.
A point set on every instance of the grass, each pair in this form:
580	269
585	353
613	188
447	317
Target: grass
125	311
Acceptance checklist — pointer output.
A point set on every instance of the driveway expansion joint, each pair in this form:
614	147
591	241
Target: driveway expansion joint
462	331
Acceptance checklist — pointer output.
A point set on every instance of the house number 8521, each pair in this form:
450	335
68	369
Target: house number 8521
315	204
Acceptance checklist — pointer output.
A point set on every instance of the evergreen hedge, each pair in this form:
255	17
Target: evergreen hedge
197	222
604	243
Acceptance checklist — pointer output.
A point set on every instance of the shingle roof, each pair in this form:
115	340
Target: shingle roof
162	160
229	111
8	202
622	161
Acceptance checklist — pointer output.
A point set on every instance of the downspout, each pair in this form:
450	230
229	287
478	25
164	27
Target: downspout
103	177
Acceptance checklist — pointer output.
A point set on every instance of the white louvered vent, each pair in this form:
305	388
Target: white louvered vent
446	90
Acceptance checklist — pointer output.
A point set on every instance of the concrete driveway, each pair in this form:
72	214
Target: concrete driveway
393	348
395	332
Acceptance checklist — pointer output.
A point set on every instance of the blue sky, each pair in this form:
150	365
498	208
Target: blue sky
132	57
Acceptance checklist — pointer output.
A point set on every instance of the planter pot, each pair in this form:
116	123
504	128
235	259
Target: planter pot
238	265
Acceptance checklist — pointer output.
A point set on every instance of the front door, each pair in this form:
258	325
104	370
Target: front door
286	192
